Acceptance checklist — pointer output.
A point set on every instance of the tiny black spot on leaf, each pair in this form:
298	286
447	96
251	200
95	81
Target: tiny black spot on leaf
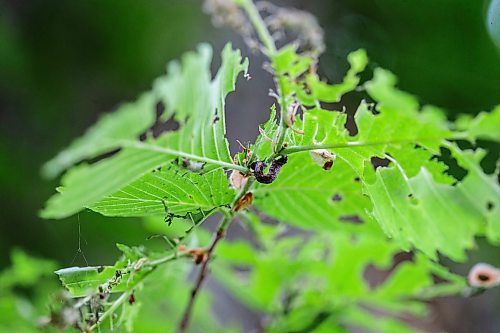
337	197
354	219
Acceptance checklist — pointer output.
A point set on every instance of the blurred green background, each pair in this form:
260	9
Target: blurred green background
62	63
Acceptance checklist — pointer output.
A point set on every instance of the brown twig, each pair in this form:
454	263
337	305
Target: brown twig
203	274
220	234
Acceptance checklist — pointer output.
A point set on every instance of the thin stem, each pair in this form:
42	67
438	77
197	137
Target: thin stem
119	301
298	149
165	259
125	296
270	50
283	127
203	272
168	151
317	321
260	27
226	221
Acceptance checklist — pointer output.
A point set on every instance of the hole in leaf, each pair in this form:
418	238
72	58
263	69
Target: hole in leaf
337	197
376	276
454	169
159	126
170	125
349	104
103	156
308	107
489	162
331	106
350	125
413	200
354	219
357	179
490	206
379	162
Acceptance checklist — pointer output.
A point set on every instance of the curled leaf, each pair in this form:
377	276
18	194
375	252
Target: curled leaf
237	179
245	201
323	158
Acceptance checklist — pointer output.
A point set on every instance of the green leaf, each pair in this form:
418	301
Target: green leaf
85	184
263	145
415	183
305	195
290	67
429	216
485	125
332	93
83	281
198	104
303	192
326	272
25	270
480	190
387	131
383	89
179	191
394	126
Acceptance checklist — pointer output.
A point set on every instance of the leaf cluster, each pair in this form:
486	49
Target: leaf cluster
316	230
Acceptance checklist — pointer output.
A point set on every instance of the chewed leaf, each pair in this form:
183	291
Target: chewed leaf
425	214
306	195
122	276
331	265
486	125
332	93
198	105
82	281
86	184
411	184
290	66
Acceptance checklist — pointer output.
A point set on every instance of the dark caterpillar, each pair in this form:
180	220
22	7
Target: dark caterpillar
273	172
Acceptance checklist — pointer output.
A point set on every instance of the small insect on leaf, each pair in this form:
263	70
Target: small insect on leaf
131	299
245	201
192	165
273	172
323	158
